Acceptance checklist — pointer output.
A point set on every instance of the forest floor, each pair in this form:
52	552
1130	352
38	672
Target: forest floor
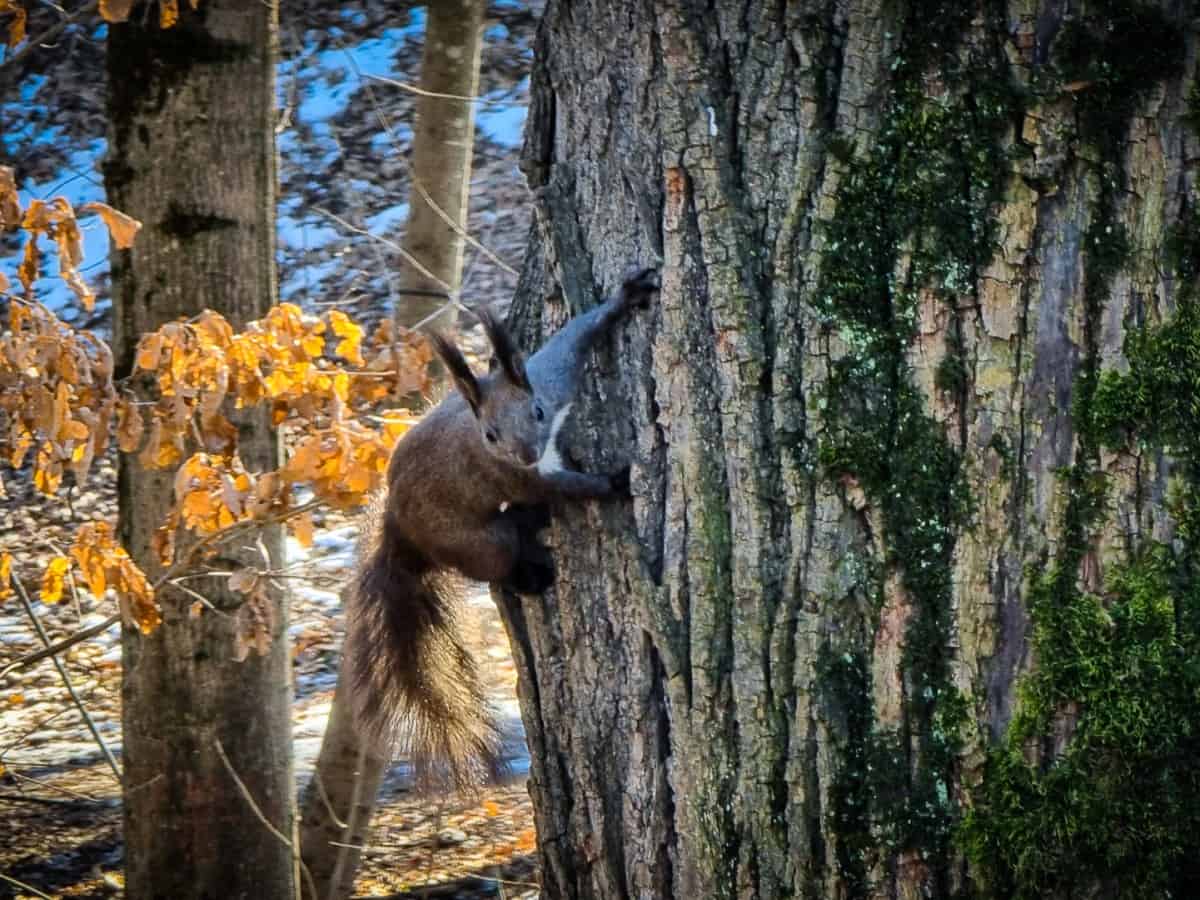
60	802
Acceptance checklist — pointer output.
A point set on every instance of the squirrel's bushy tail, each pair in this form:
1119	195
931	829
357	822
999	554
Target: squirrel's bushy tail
412	675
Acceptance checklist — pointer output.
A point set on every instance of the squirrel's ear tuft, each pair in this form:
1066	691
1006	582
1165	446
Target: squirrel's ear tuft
511	361
464	378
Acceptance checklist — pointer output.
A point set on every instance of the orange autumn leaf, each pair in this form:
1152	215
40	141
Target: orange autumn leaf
6	590
121	228
79	287
91	564
491	808
115	10
16	28
54	579
106	564
302	527
527	840
351	335
168	13
31	264
16	699
149	351
10	203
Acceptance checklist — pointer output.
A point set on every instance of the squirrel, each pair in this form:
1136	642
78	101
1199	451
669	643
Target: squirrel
467	489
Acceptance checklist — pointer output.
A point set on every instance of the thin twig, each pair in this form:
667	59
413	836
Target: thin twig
52	787
509	881
36	728
224	536
392	245
174	582
323	794
460	231
413	89
249	798
62	671
23	886
33	798
48	35
66	643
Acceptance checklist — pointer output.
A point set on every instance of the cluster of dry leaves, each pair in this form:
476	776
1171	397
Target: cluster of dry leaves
110	11
321	377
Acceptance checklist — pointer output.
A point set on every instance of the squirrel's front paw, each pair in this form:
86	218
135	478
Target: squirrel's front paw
618	483
639	284
529	577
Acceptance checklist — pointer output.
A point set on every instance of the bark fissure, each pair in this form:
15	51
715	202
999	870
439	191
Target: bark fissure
862	373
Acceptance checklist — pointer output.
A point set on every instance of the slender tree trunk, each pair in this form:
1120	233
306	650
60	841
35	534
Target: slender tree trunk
191	154
337	805
443	139
903	603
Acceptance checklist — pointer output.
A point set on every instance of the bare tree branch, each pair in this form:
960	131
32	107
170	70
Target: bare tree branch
25	887
62	671
59	646
45	37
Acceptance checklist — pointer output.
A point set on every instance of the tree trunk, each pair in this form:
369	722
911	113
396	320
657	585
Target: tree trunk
339	801
443	139
904	601
191	154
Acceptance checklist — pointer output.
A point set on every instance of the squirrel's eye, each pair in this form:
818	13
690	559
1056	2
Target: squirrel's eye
537	411
490	435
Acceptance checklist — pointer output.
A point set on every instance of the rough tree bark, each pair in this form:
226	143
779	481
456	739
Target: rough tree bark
191	154
903	603
338	803
443	139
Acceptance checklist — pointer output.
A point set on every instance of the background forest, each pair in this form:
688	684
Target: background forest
344	136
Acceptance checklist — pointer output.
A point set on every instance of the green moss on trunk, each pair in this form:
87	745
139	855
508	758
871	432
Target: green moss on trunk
914	215
1096	783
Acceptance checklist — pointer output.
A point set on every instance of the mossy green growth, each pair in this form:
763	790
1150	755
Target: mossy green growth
1118	679
1116	52
1097	785
913	215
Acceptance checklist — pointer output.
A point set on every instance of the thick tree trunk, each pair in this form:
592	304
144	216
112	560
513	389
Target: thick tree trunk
338	803
443	139
191	154
903	603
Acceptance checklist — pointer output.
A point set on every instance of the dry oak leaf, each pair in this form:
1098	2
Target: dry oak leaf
6	590
351	335
302	527
121	228
54	579
10	203
115	10
16	28
243	581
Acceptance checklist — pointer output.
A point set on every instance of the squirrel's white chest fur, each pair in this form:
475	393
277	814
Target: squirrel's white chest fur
551	459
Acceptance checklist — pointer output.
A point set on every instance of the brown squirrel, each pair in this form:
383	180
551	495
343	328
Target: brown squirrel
466	493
